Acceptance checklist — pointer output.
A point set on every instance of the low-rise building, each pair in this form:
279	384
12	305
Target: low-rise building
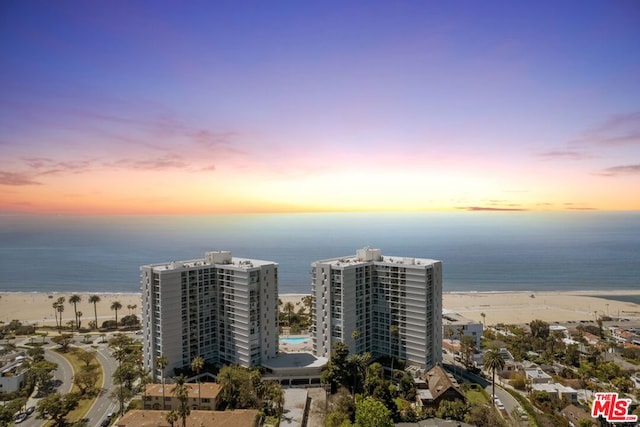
455	326
557	391
537	376
12	376
202	396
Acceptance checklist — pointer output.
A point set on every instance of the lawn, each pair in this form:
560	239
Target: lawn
476	395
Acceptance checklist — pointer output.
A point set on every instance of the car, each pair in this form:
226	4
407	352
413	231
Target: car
31	410
20	417
105	422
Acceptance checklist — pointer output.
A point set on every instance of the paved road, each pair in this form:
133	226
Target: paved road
103	404
62	376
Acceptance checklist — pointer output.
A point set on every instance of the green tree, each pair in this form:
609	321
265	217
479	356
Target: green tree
88	357
357	365
36	353
95	299
493	361
75	299
342	410
484	416
181	391
128	353
41	373
131	320
115	306
337	373
57	406
467	347
197	365
455	410
539	329
572	355
86	380
238	390
63	341
371	412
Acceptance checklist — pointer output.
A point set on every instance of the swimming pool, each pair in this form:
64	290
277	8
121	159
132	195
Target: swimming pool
294	340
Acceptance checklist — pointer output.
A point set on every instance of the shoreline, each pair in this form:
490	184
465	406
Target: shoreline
490	307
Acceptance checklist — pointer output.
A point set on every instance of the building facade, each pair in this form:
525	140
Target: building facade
202	396
221	308
388	306
455	326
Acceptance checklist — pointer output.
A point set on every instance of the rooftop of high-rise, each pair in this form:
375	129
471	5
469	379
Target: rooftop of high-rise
366	255
213	258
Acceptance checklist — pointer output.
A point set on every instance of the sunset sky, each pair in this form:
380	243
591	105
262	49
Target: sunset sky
116	107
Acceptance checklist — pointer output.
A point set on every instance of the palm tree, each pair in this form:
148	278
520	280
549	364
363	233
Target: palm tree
116	306
75	299
484	319
493	361
197	364
172	417
181	391
60	309
355	334
58	306
162	363
289	308
95	299
79	314
55	314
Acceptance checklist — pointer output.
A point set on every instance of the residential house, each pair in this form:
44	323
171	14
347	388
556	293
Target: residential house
441	386
575	415
557	391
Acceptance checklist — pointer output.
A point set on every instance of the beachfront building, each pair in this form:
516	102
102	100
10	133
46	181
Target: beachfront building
455	326
221	308
388	306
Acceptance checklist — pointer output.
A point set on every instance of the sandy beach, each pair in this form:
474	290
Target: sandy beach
498	307
523	307
36	308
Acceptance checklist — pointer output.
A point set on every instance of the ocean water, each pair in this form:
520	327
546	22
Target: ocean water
481	251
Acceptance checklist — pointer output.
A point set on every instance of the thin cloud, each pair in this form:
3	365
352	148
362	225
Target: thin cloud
565	154
17	179
490	209
582	209
621	170
160	163
47	166
620	129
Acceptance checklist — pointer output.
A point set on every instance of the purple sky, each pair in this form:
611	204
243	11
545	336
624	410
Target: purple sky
166	106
